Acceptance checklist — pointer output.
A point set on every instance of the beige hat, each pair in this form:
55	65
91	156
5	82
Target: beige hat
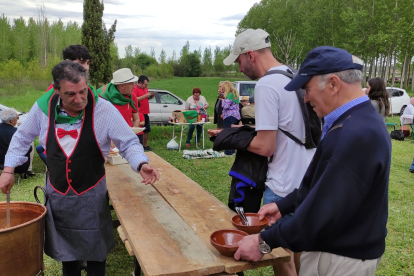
123	75
244	98
249	40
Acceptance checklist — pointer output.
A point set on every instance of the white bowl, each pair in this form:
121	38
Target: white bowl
137	129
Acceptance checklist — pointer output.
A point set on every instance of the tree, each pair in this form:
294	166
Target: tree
163	57
5	35
207	60
97	39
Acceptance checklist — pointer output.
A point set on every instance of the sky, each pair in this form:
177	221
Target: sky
162	24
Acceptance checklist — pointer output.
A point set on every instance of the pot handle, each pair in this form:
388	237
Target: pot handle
44	191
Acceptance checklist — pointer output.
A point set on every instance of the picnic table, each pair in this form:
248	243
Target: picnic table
167	226
184	126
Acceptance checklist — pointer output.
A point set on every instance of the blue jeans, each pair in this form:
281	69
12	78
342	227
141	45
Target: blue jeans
41	151
412	167
190	133
227	122
270	197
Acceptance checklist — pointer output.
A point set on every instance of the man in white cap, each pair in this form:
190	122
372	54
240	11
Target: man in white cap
277	109
119	93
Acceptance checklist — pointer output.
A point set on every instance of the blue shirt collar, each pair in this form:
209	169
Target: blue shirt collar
334	115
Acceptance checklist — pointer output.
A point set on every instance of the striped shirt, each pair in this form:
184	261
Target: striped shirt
108	125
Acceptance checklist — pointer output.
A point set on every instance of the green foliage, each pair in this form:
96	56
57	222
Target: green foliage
166	71
11	70
143	61
152	71
97	39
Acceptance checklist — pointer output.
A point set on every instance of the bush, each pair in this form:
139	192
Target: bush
167	71
12	69
152	71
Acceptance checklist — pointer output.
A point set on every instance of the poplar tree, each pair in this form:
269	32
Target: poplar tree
98	40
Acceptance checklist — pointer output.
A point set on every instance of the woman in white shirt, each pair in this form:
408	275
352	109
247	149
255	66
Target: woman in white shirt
195	102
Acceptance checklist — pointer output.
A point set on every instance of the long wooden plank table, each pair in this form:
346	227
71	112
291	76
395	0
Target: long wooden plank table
168	224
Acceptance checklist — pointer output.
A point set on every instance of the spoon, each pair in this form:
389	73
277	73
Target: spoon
8	210
240	211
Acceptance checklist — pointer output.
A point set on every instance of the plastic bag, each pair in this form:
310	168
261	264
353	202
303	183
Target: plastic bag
172	144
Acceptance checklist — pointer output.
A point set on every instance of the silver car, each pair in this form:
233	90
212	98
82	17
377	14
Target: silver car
162	105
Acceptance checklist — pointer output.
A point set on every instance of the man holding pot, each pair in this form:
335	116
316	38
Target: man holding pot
76	131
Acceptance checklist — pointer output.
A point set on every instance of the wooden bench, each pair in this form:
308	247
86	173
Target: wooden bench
167	225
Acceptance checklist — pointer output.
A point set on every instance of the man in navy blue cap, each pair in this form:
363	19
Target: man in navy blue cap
341	207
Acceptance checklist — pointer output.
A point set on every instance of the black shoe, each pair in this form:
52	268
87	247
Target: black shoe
411	171
30	173
148	148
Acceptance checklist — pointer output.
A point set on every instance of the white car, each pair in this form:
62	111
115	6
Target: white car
399	100
162	105
245	88
22	115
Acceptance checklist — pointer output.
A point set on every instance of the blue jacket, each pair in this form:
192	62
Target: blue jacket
341	206
6	134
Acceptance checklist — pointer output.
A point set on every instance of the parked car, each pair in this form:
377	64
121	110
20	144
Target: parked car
162	105
245	88
22	115
399	100
396	80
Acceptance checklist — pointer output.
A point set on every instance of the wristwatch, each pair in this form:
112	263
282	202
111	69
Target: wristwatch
141	164
264	247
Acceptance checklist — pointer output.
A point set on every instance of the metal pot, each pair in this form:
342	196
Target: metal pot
21	245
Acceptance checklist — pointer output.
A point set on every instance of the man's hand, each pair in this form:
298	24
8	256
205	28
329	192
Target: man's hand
6	182
249	249
150	95
271	211
149	175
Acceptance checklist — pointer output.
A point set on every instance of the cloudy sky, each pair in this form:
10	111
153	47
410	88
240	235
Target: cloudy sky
162	24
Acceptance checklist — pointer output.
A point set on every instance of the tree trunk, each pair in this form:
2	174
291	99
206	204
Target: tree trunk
375	67
387	69
384	67
370	68
393	70
412	81
365	73
380	66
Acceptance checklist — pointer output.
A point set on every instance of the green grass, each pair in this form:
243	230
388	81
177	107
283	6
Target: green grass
213	176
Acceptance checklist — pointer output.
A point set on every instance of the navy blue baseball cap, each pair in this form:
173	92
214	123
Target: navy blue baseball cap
323	60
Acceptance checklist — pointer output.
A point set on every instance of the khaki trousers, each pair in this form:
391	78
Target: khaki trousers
327	264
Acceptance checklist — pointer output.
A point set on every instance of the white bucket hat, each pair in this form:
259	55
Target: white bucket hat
123	75
249	40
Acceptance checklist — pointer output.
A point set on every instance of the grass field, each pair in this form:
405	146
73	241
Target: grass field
212	175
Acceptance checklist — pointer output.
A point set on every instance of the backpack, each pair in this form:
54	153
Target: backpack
397	135
313	124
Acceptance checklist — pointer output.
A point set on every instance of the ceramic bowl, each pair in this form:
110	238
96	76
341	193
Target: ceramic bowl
226	241
255	224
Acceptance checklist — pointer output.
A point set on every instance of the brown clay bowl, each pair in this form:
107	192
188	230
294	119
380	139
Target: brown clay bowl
255	224
226	241
213	132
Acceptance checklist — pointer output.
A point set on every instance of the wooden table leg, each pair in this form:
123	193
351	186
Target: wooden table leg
137	267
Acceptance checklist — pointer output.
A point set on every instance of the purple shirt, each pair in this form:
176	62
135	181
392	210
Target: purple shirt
230	108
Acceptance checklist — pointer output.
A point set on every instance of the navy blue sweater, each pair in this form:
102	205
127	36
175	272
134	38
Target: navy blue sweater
341	206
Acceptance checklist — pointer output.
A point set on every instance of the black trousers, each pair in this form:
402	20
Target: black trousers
74	268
